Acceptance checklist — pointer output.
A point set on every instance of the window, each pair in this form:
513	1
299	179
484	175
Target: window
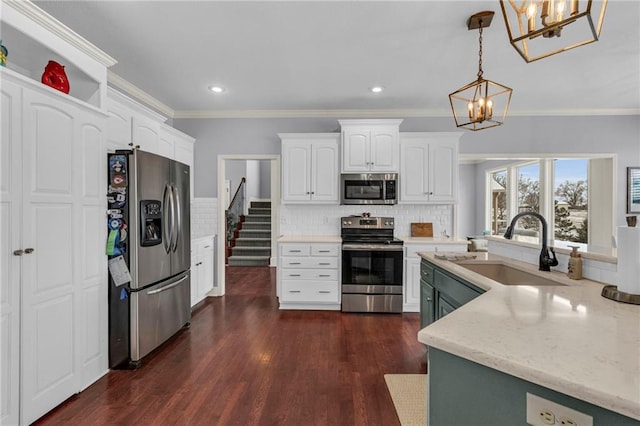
574	194
498	184
571	203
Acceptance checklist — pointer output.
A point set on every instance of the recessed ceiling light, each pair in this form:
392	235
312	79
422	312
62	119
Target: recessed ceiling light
377	89
216	89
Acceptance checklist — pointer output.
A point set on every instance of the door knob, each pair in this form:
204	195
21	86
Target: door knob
29	250
18	252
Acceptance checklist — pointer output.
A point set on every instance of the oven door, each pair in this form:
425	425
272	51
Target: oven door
372	266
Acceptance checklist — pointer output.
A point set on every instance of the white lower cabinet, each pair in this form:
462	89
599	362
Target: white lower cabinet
53	295
202	261
411	290
309	276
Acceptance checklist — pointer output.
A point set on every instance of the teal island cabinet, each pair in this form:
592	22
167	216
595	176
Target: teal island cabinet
442	292
508	345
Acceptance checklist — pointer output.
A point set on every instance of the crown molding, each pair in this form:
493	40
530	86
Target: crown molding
39	16
387	113
139	94
310	113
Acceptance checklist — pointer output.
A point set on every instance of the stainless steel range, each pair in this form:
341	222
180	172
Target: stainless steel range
371	265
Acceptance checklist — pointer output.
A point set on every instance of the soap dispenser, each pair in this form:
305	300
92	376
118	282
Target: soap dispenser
574	271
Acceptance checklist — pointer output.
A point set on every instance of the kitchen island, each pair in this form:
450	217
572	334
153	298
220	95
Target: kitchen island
564	343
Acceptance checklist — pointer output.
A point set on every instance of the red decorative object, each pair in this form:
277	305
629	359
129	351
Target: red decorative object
54	76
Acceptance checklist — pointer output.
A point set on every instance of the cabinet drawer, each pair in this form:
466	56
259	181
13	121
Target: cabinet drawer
309	262
295	249
453	290
324	250
426	273
310	274
310	291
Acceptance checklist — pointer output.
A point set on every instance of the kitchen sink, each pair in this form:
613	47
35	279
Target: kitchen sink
507	275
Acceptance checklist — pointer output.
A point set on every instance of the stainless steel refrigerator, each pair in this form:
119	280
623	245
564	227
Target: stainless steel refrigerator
148	222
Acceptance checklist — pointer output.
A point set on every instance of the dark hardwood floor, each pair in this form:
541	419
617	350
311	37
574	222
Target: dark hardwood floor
244	362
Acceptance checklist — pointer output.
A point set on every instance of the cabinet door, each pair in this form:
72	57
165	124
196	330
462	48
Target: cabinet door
427	304
296	171
324	169
414	173
356	150
166	146
206	279
10	207
50	327
183	152
384	150
119	133
196	262
146	133
444	308
443	171
412	287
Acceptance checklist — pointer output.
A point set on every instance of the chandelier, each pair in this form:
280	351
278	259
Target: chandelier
481	104
538	29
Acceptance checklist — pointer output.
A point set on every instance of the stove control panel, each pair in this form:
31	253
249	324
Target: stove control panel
367	222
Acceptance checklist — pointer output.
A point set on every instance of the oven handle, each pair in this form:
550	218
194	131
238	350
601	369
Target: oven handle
371	247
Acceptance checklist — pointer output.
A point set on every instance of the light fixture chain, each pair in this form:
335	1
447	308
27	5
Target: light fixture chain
480	52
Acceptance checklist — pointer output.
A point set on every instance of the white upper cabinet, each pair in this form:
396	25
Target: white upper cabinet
118	125
429	167
145	133
310	167
370	145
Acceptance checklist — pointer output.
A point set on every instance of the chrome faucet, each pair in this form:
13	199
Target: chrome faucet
545	261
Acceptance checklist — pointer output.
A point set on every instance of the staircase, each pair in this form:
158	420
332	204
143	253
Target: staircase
252	243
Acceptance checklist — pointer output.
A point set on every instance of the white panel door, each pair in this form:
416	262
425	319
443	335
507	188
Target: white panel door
412	287
10	218
384	150
146	133
50	227
443	166
324	169
165	145
118	126
91	278
414	173
355	151
296	165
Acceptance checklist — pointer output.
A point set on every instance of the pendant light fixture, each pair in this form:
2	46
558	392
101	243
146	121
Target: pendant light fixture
538	29
481	104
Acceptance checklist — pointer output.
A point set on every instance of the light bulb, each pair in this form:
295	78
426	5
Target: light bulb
481	101
531	10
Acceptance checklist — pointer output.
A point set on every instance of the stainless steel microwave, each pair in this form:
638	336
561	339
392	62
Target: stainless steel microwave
369	188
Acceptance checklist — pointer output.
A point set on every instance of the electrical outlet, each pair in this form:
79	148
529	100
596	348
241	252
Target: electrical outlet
542	412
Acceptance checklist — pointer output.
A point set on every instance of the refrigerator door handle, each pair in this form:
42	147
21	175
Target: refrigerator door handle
178	221
167	287
167	218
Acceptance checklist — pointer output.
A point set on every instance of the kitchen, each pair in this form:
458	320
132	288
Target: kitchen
522	134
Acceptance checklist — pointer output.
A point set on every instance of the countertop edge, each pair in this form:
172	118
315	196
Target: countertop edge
622	404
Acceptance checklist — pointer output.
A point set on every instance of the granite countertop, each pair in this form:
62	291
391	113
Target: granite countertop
310	239
566	338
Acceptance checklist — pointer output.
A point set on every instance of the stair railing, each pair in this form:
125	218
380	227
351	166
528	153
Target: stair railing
235	212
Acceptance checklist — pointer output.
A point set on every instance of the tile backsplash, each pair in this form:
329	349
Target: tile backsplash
204	217
325	220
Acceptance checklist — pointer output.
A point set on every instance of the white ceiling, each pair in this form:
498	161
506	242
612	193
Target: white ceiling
320	58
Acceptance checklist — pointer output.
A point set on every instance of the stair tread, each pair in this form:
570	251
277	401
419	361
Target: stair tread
248	257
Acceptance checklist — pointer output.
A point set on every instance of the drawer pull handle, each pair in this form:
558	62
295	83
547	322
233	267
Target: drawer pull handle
324	251
295	251
294	275
207	246
324	291
294	263
324	276
429	299
294	291
324	263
